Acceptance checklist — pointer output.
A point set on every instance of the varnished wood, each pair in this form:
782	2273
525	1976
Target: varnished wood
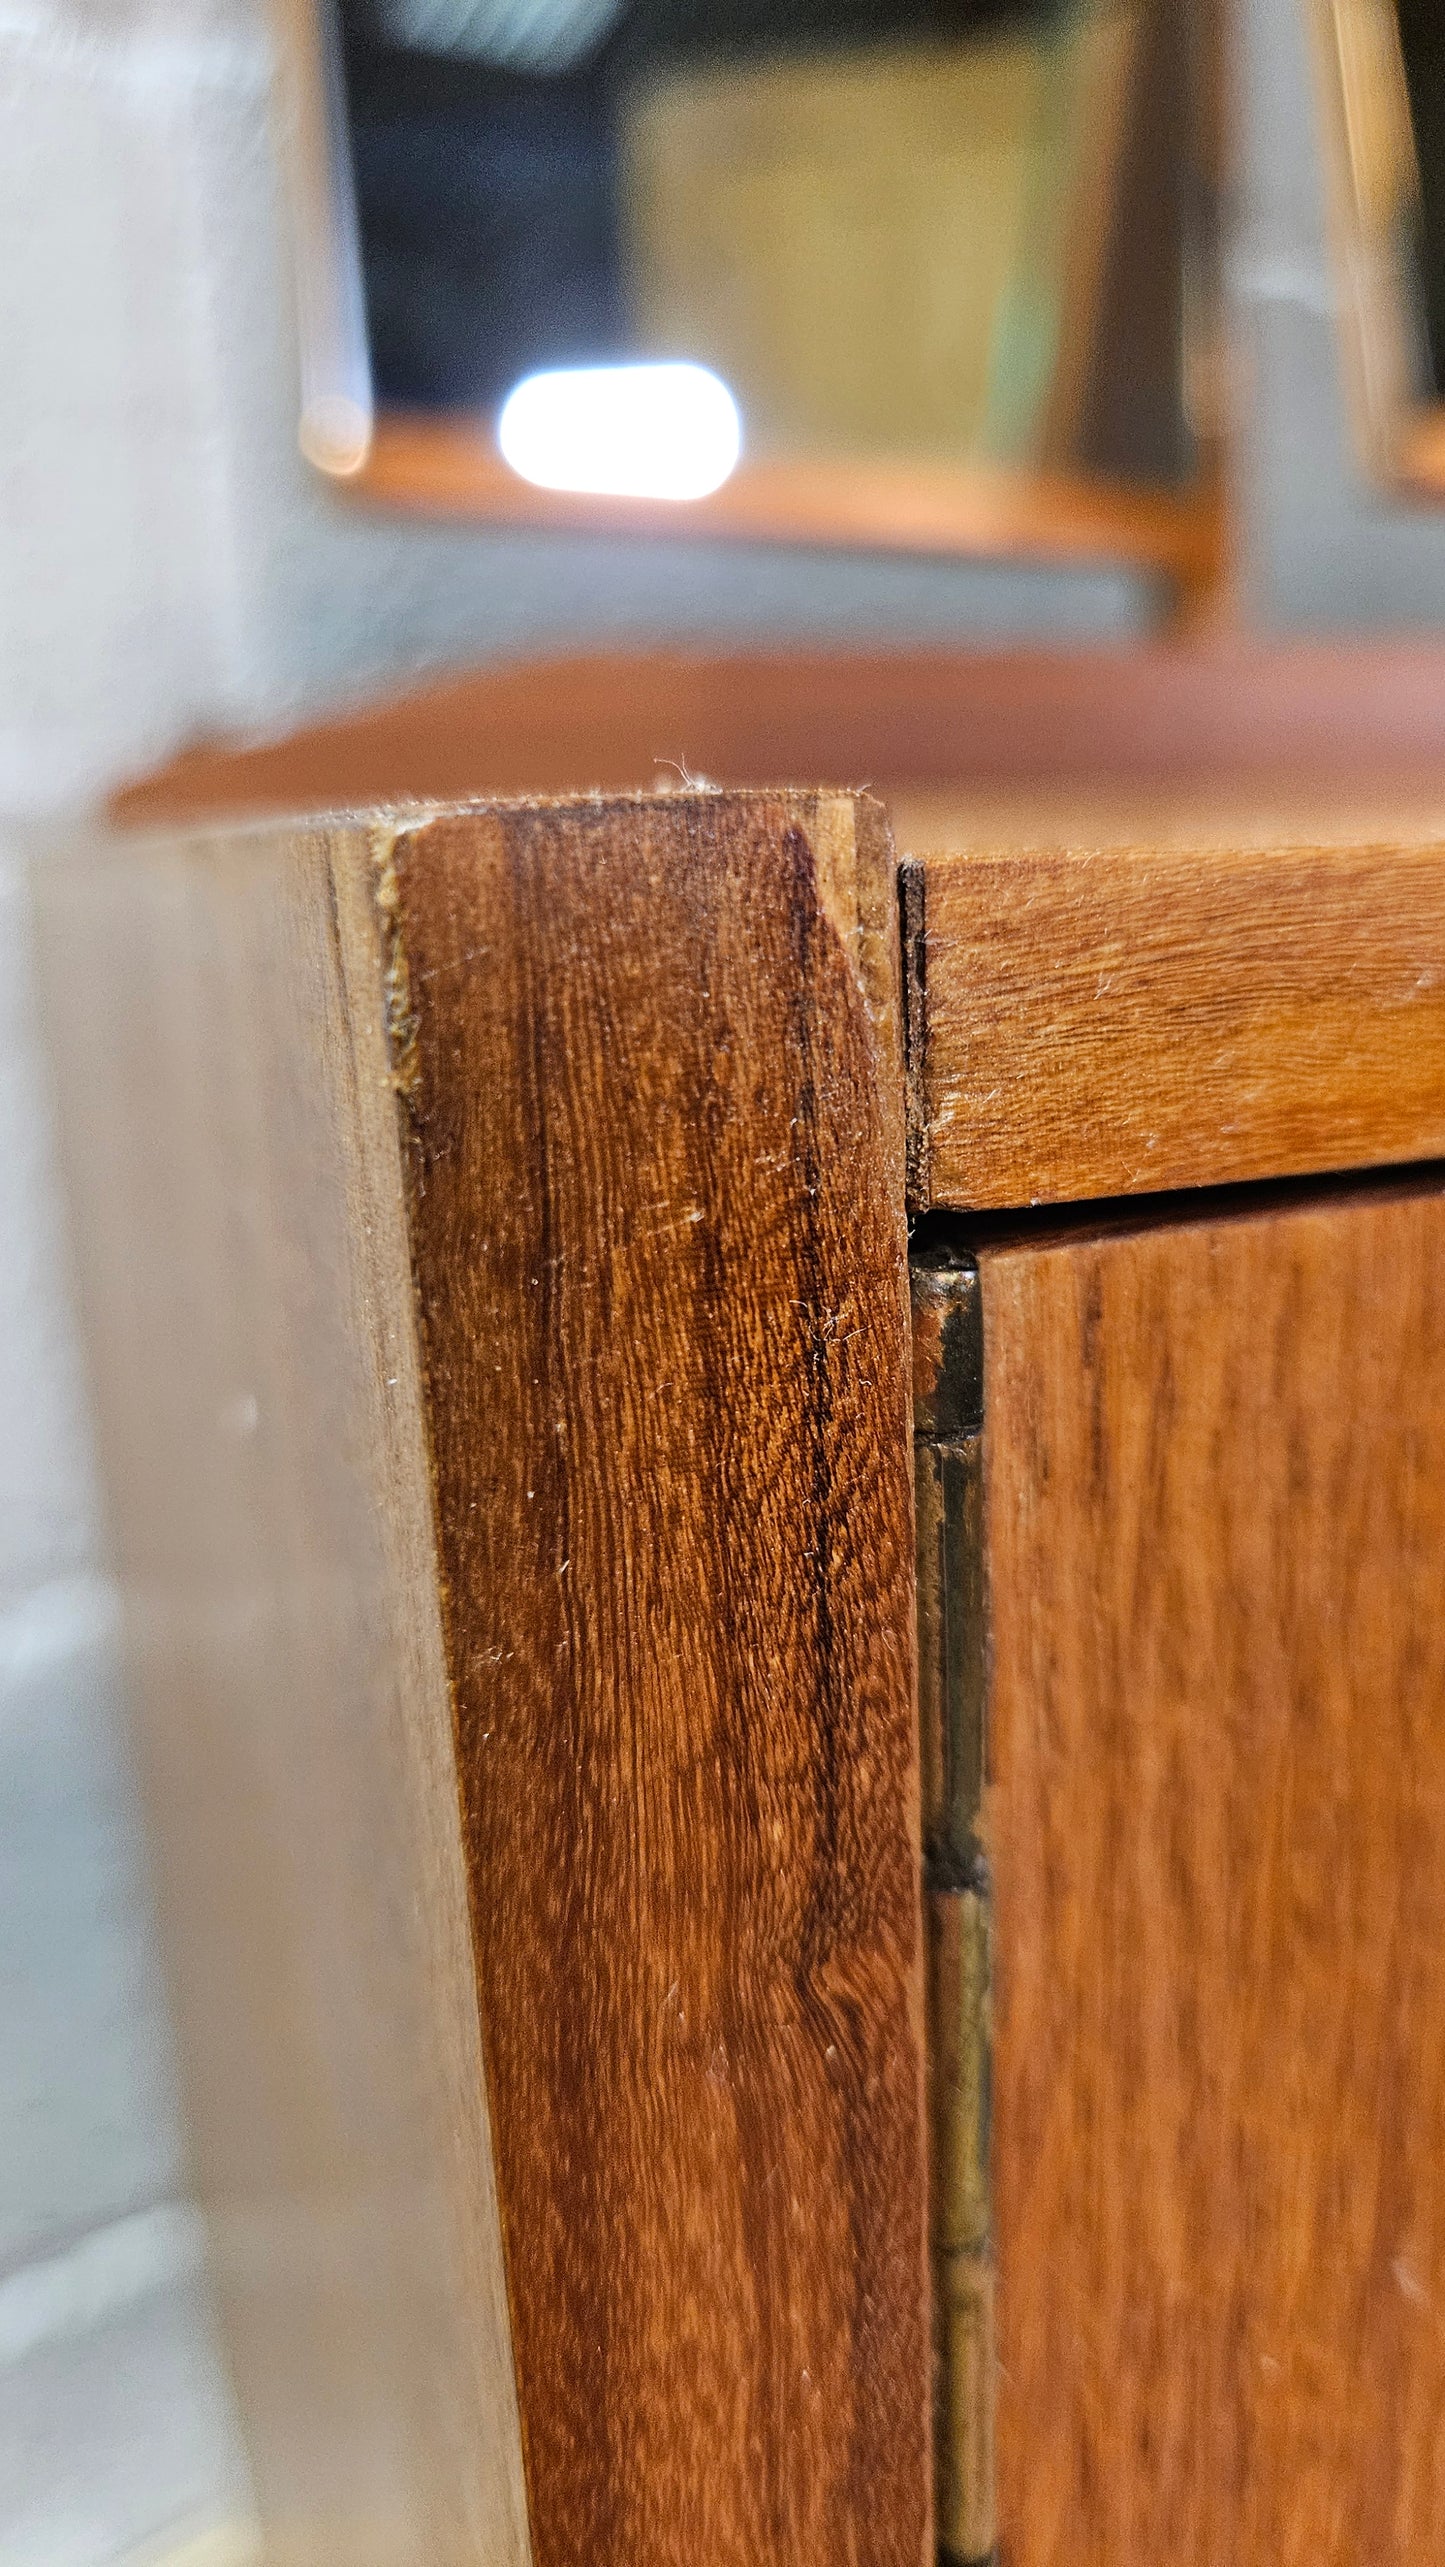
232	1147
495	1259
974	748
656	1202
1140	1019
1215	1459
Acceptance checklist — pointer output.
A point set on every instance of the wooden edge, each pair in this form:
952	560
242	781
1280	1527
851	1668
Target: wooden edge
218	1037
859	877
647	1059
363	930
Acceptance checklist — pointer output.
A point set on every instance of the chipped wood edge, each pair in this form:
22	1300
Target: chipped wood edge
366	907
913	968
858	889
850	852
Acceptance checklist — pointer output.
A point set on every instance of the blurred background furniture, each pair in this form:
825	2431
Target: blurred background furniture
1382	79
952	261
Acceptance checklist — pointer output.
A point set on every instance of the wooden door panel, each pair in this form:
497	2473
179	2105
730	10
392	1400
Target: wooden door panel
1215	1519
1125	1020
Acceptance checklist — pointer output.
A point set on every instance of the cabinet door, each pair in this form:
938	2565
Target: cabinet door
1214	1534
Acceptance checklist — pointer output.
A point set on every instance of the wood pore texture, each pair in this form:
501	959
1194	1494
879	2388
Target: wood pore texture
1215	1512
650	1075
1141	1019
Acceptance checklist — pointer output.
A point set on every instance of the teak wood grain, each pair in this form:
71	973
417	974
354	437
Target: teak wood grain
1141	1019
1215	1514
653	1099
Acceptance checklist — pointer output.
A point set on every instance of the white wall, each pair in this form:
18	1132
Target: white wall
166	568
1322	550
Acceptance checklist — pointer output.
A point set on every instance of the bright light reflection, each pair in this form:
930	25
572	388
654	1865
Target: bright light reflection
623	431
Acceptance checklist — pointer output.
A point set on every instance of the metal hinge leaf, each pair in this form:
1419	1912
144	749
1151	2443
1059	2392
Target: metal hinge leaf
948	1461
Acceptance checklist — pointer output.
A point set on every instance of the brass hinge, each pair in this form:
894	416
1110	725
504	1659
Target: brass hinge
952	1654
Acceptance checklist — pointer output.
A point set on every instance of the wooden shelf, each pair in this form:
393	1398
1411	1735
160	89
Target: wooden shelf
446	466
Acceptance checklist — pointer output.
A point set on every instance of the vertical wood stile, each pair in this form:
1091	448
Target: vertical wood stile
650	1074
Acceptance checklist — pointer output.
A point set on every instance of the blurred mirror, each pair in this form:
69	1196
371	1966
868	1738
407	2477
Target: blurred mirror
1384	79
874	270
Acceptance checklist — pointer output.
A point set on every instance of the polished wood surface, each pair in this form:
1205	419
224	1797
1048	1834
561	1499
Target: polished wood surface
1040	746
649	1068
1104	1023
232	1149
1215	1468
